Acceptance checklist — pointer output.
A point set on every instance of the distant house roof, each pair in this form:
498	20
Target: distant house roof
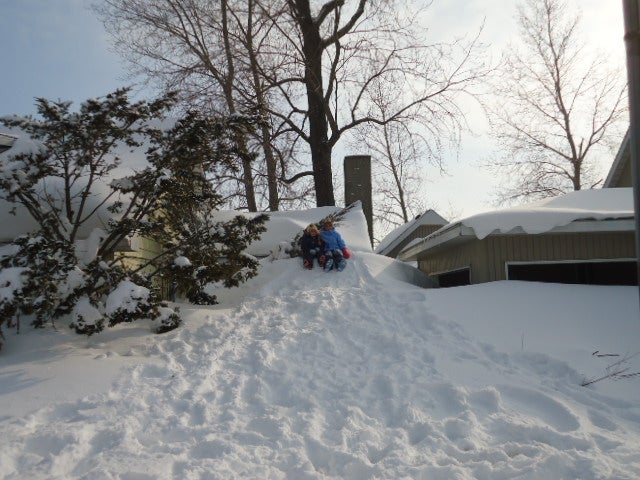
6	141
620	172
578	211
403	232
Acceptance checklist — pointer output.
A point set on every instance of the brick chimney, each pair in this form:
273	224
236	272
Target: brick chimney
357	186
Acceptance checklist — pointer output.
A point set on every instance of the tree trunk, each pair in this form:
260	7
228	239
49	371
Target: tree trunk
318	126
396	175
247	171
265	134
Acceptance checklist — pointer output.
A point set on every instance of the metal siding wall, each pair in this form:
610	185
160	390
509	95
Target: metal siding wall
561	247
588	250
480	260
451	259
488	257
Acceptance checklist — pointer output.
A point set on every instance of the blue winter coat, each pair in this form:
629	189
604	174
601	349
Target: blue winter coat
332	240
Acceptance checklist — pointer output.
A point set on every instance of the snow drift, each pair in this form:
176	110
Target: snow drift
353	375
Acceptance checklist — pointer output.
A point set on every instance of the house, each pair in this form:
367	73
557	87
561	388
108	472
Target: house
419	227
585	236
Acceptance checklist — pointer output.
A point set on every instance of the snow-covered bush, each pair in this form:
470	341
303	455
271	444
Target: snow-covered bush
166	320
86	317
128	302
58	270
47	278
200	249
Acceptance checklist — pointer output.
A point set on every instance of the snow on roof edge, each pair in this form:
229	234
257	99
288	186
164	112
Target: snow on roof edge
396	236
541	216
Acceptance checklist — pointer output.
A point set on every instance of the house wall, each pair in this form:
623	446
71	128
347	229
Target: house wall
487	257
420	232
146	249
472	254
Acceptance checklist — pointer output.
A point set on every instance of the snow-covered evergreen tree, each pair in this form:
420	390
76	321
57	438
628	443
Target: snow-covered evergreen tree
197	248
58	270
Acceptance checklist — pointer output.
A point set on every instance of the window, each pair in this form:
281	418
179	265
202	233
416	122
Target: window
455	278
593	273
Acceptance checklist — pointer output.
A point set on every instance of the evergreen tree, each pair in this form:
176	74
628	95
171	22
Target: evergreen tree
62	270
200	249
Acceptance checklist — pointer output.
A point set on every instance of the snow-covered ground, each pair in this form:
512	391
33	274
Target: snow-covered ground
352	375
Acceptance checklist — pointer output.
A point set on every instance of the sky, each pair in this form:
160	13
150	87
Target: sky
57	49
307	375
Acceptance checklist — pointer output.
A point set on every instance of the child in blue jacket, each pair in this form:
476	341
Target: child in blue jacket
335	250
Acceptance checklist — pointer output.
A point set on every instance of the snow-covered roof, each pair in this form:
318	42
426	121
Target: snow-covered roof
20	222
399	234
282	227
6	141
584	210
18	140
16	220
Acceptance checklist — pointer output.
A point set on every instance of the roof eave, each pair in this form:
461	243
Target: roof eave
456	232
459	233
409	230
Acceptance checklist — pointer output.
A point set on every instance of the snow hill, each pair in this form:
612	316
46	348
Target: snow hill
353	375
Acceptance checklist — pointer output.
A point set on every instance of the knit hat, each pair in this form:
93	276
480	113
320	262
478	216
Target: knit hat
327	224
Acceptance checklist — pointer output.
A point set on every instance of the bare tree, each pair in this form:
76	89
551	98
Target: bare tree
339	54
556	104
248	29
191	46
399	155
308	68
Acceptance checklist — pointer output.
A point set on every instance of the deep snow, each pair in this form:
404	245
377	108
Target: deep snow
352	375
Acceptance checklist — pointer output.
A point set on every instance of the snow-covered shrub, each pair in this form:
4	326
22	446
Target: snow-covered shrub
48	279
128	302
202	250
166	320
12	282
86	317
54	272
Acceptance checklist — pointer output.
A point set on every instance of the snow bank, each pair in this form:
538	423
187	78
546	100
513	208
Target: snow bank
307	375
282	227
351	375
